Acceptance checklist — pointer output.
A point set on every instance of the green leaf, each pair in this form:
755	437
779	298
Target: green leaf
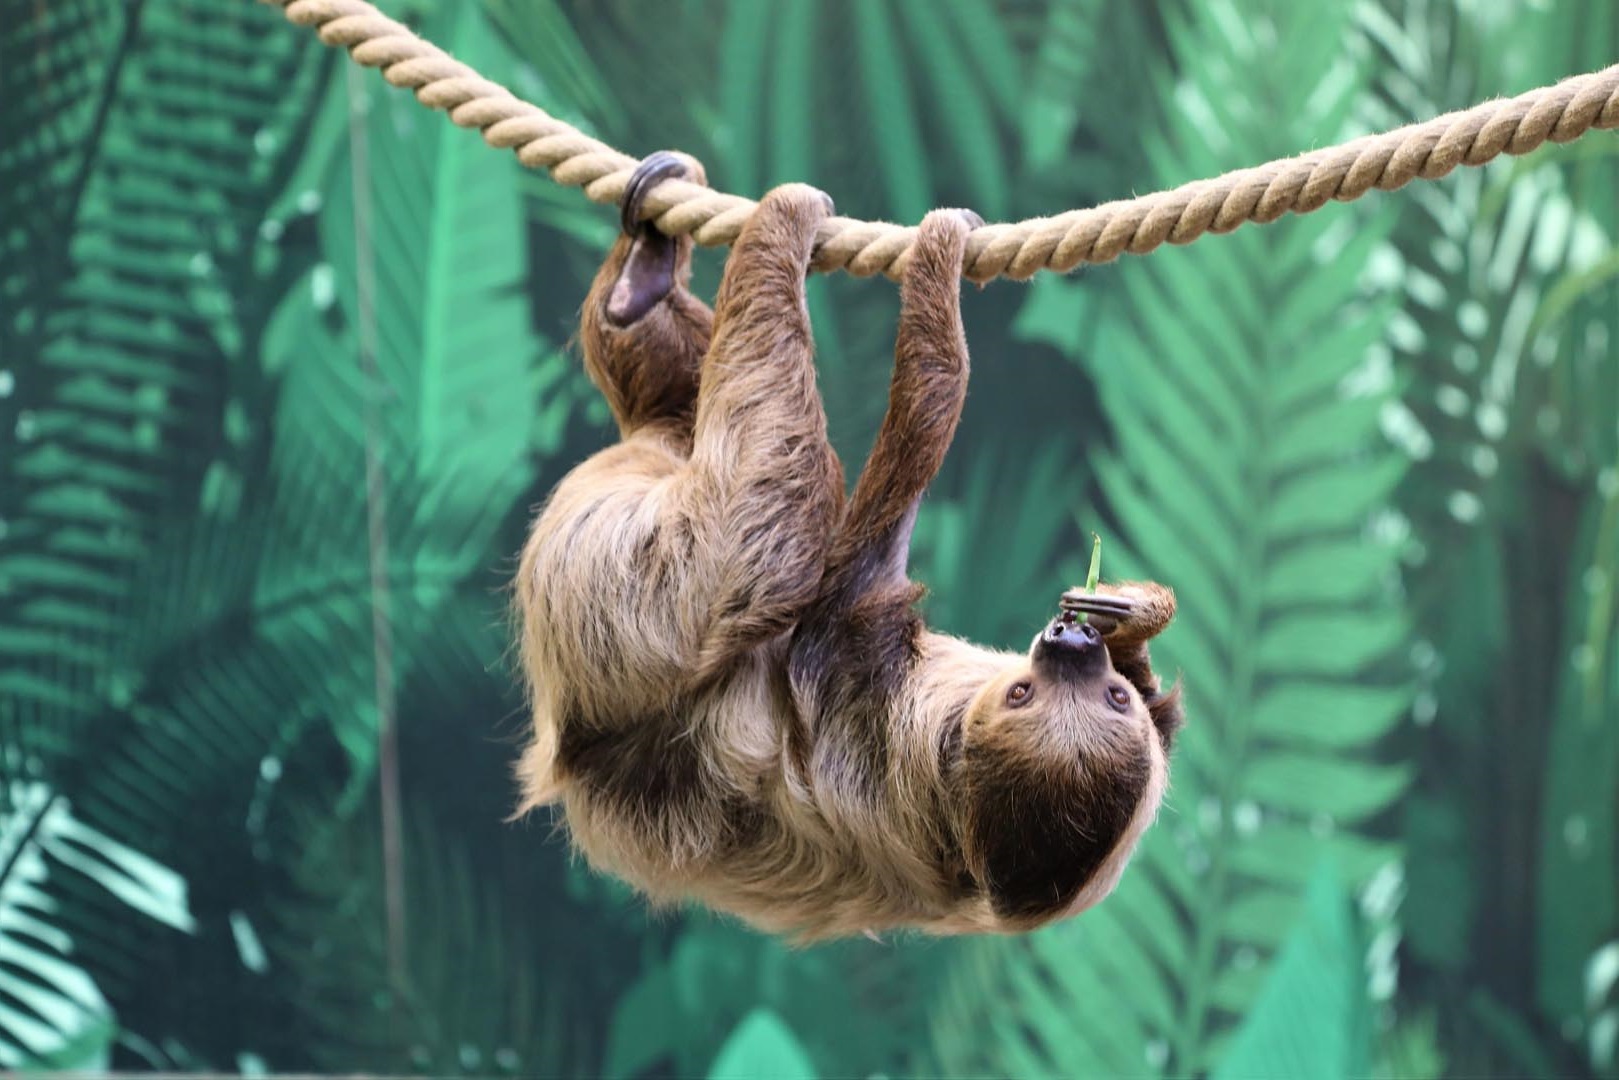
741	77
50	1008
1329	714
898	140
1346	790
1283	853
131	266
1327	571
466	928
1328	497
1338	644
1312	1017
972	587
982	32
1049	111
792	97
968	125
762	1046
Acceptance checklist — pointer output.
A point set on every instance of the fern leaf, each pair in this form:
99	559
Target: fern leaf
1050	113
762	1046
895	132
1504	275
122	303
1312	1018
353	1015
971	129
50	1009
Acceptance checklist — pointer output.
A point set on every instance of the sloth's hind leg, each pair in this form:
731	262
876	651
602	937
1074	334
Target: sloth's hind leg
643	333
763	488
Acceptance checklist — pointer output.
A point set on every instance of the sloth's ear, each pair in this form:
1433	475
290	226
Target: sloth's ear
1168	713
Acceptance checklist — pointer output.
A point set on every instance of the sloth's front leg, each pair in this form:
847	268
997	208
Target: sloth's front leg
1128	615
763	489
925	398
643	333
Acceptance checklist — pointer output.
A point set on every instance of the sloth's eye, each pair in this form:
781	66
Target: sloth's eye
1019	695
1118	697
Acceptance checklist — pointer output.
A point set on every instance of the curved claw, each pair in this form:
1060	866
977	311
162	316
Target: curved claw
1078	600
654	168
653	263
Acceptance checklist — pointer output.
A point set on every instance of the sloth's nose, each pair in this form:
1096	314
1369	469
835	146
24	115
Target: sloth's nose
1063	634
1072	647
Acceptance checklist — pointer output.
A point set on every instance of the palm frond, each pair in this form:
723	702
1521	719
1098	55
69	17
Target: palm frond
1052	107
957	89
51	1010
896	133
762	1046
130	290
248	627
353	1014
854	1012
1312	1018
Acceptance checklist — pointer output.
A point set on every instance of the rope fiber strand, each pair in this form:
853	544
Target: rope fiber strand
1558	113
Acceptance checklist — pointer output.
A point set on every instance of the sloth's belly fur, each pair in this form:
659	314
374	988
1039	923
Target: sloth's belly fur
715	795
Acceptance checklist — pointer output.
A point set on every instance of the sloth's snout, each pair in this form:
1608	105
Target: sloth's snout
1075	646
1064	634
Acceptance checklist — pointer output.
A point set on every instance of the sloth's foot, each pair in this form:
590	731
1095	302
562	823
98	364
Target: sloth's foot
653	264
1129	612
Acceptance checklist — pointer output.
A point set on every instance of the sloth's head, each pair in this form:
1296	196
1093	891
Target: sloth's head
1062	766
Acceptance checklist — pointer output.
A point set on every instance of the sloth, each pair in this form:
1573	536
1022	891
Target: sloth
735	701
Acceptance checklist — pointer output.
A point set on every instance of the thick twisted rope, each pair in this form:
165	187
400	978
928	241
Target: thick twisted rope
1558	113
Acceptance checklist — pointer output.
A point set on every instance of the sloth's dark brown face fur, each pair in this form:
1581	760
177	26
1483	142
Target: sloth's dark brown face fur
1060	756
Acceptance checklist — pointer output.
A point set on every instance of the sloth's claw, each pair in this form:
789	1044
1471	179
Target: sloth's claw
651	266
1106	613
1078	600
654	169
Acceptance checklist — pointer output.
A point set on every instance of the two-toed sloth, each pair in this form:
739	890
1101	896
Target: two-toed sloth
734	698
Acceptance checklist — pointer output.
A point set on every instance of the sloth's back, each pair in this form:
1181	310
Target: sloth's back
651	777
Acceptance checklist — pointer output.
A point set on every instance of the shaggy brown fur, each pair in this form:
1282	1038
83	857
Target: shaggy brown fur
734	699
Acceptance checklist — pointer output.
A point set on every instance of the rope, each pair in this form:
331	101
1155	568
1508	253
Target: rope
1558	113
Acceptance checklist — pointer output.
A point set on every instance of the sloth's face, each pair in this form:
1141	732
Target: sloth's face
1061	770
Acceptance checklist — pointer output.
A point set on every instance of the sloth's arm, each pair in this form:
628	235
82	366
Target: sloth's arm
642	332
857	642
762	490
925	397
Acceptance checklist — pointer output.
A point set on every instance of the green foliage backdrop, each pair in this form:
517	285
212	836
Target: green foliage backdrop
1374	449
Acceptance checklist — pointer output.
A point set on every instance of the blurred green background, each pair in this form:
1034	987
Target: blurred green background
1374	449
